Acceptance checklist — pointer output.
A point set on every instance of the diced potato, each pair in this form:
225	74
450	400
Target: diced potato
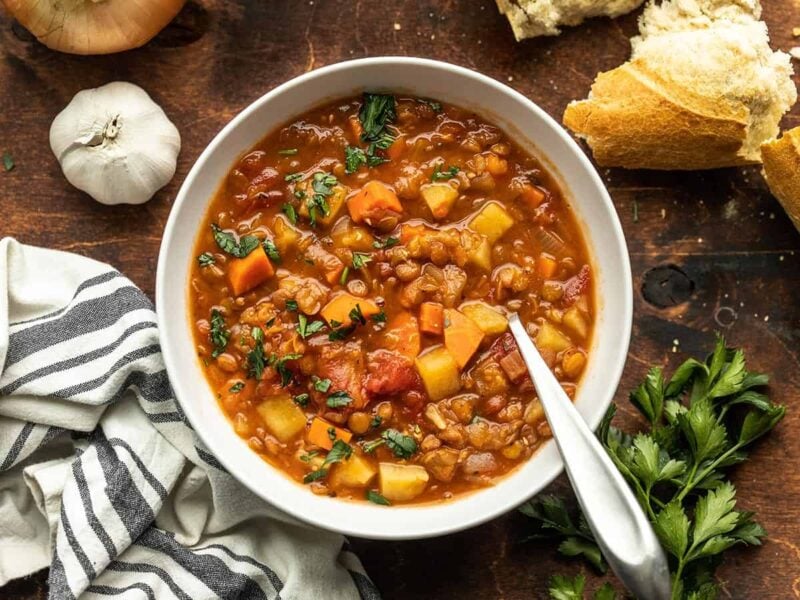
481	256
355	472
462	336
339	308
550	338
346	233
490	320
402	482
335	202
282	416
575	322
286	234
439	372
439	197
492	221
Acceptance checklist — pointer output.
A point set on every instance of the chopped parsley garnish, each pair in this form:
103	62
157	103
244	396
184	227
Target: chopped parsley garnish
439	175
339	399
228	243
354	157
340	451
271	250
343	277
290	213
377	111
206	259
341	333
403	446
291	305
281	368
293	177
357	316
361	259
332	433
219	333
256	360
270	323
299	194
321	385
315	475
237	387
288	152
387	243
305	329
308	456
376	421
379	318
301	399
369	447
376	498
322	184
8	162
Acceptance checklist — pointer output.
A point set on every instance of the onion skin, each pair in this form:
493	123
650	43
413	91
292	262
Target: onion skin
94	26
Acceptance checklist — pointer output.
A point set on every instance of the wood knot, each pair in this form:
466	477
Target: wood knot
666	286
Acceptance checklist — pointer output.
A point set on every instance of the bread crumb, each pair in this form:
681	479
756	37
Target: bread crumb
796	31
397	27
766	318
795	52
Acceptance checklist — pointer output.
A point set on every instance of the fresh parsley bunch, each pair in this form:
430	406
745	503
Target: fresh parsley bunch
700	424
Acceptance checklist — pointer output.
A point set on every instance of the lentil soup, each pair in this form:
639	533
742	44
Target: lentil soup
350	294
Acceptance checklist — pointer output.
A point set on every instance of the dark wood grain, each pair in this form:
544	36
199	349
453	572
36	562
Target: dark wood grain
722	229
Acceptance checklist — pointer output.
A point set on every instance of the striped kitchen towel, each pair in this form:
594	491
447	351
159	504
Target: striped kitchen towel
103	480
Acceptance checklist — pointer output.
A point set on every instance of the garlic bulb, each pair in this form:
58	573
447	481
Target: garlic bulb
94	26
115	144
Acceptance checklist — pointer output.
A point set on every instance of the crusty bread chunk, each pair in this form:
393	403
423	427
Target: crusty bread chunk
782	171
703	89
531	18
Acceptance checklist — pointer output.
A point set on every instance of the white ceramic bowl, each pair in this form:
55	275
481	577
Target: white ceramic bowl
531	127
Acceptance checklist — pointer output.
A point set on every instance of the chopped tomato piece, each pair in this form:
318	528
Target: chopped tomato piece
402	335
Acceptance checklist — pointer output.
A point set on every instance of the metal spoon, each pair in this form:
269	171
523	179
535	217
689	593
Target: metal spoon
619	525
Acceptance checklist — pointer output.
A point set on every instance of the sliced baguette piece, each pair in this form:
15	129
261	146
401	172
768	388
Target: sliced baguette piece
702	90
532	18
782	171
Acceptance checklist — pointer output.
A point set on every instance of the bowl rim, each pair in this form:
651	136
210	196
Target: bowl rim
424	528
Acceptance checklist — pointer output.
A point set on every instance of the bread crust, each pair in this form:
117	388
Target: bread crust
782	171
636	119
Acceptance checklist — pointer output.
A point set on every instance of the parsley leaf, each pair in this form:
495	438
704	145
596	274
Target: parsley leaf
293	177
288	152
376	498
306	329
8	162
379	317
339	452
206	259
361	259
387	243
322	184
564	588
435	106
282	369
219	333
315	475
271	250
439	175
321	385
237	387
403	446
377	111
356	316
228	242
291	305
339	399
301	399
699	425
256	359
354	157
290	213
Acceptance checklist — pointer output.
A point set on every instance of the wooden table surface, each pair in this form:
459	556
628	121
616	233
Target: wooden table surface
727	251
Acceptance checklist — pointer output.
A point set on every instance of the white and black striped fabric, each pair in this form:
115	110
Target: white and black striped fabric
103	480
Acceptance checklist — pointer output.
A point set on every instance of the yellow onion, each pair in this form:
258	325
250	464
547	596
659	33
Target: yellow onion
94	26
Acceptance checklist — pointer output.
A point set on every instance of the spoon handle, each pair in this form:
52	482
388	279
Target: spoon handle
619	525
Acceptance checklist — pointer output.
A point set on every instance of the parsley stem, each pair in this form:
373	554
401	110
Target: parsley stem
693	481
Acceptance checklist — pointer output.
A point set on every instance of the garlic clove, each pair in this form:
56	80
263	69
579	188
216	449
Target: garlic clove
94	26
115	144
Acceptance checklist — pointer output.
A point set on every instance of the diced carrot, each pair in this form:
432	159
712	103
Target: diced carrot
396	149
431	318
462	336
250	271
532	195
402	335
374	198
546	266
321	432
409	232
355	127
337	311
